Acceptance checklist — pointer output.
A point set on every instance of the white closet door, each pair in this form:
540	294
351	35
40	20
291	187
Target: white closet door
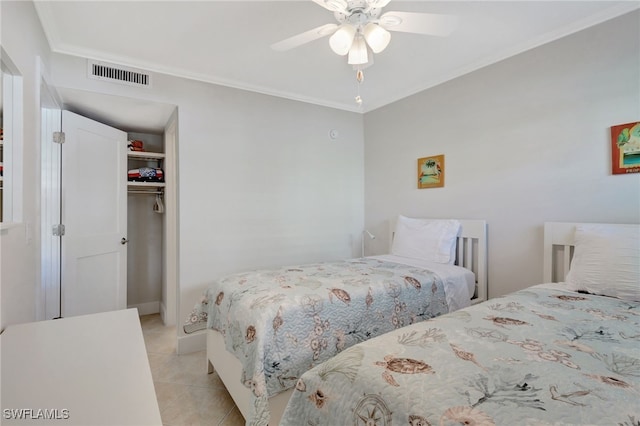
51	155
94	212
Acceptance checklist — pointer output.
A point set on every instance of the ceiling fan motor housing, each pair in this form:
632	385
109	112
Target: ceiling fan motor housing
358	14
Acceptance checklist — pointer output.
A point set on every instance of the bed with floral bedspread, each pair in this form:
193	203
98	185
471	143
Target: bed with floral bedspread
541	356
279	323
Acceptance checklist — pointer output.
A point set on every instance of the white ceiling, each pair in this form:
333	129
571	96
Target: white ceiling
228	42
126	114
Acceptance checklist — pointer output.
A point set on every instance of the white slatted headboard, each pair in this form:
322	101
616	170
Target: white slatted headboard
471	252
558	248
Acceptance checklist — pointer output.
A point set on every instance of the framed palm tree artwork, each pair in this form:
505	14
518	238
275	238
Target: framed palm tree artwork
431	172
625	148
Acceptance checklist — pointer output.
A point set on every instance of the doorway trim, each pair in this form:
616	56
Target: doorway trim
169	302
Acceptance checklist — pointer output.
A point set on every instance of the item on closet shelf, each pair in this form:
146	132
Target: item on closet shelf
146	174
158	206
136	145
1	170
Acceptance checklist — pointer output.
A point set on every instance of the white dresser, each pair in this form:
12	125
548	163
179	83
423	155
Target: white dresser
86	370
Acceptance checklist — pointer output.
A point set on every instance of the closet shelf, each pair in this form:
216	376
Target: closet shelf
138	155
146	184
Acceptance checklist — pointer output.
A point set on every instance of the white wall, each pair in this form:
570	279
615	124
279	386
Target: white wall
525	140
260	181
23	40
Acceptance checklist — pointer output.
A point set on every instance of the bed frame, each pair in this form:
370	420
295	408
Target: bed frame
559	245
471	254
558	250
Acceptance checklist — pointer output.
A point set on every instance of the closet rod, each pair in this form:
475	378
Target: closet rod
146	192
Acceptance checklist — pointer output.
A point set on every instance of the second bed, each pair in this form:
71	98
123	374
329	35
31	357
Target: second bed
265	328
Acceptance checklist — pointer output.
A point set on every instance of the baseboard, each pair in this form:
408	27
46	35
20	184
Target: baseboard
195	342
146	308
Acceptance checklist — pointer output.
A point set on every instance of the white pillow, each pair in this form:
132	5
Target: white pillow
432	240
606	261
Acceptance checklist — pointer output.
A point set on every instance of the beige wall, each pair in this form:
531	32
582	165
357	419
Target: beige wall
260	181
525	141
24	42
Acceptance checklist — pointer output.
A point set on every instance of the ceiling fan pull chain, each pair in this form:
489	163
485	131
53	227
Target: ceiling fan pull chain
359	79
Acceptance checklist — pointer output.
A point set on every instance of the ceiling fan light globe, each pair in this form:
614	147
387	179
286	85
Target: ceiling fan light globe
358	54
364	66
377	37
342	40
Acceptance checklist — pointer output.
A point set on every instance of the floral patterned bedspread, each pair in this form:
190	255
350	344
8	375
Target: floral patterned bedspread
541	356
280	323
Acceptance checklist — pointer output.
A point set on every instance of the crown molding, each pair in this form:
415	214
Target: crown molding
607	14
47	20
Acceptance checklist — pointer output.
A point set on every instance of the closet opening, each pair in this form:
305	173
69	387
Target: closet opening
145	221
150	240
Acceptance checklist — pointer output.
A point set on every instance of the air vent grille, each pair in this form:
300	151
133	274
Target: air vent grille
119	74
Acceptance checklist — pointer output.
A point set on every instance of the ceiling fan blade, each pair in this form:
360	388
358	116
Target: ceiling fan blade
305	37
420	23
333	5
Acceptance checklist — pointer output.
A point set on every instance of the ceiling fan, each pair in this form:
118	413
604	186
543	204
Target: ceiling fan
363	28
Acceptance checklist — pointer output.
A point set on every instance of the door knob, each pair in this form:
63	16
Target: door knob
124	241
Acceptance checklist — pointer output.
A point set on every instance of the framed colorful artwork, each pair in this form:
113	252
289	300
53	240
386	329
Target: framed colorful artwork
625	148
431	172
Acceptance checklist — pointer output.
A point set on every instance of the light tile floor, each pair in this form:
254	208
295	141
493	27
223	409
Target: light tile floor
187	395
